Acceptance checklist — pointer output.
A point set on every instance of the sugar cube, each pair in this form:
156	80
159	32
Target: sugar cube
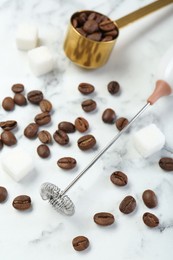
17	163
26	37
149	140
40	60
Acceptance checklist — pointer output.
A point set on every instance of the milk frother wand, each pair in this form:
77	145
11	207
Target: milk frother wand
163	87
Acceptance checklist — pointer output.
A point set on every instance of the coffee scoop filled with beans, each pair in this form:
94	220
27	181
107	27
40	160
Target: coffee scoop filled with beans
91	35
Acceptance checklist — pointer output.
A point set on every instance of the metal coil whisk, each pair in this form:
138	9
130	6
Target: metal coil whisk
61	203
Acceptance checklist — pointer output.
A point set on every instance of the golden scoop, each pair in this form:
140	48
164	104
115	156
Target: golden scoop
91	54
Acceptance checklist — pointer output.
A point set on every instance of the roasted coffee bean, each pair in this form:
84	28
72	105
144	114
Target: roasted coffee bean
61	137
150	220
8	125
3	194
107	38
121	123
45	137
127	205
45	105
81	31
67	163
17	88
113	33
82	19
166	163
22	202
35	96
67	127
31	130
89	105
86	142
95	36
109	116
8	138
42	118
86	88
107	26
90	26
81	124
43	151
104	218
113	87
119	178
149	198
80	243
8	104
20	99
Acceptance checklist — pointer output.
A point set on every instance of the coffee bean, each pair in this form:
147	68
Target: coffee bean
104	218
113	87
8	125
166	163
43	151
17	88
80	243
81	31
22	202
107	38
86	142
67	127
31	130
89	105
127	205
95	36
82	19
3	194
8	104
81	124
86	88
150	220
113	33
121	123
149	198
90	26
75	22
35	96
20	99
45	105
61	137
107	26
8	138
119	178
45	137
42	118
67	163
109	116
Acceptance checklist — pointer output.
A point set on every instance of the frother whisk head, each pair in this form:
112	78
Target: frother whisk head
61	203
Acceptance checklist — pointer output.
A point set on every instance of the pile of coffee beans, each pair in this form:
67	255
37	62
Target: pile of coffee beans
95	26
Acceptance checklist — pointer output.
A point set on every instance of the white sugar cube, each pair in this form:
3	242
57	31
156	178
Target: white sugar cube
149	140
40	60
17	163
26	37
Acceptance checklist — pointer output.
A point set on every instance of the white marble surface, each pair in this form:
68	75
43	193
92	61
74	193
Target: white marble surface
42	233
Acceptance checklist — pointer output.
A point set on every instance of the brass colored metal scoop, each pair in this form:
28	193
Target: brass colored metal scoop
91	54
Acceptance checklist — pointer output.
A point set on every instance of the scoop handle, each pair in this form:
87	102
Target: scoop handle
164	82
150	8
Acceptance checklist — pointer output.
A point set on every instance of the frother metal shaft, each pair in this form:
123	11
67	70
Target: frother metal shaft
105	148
